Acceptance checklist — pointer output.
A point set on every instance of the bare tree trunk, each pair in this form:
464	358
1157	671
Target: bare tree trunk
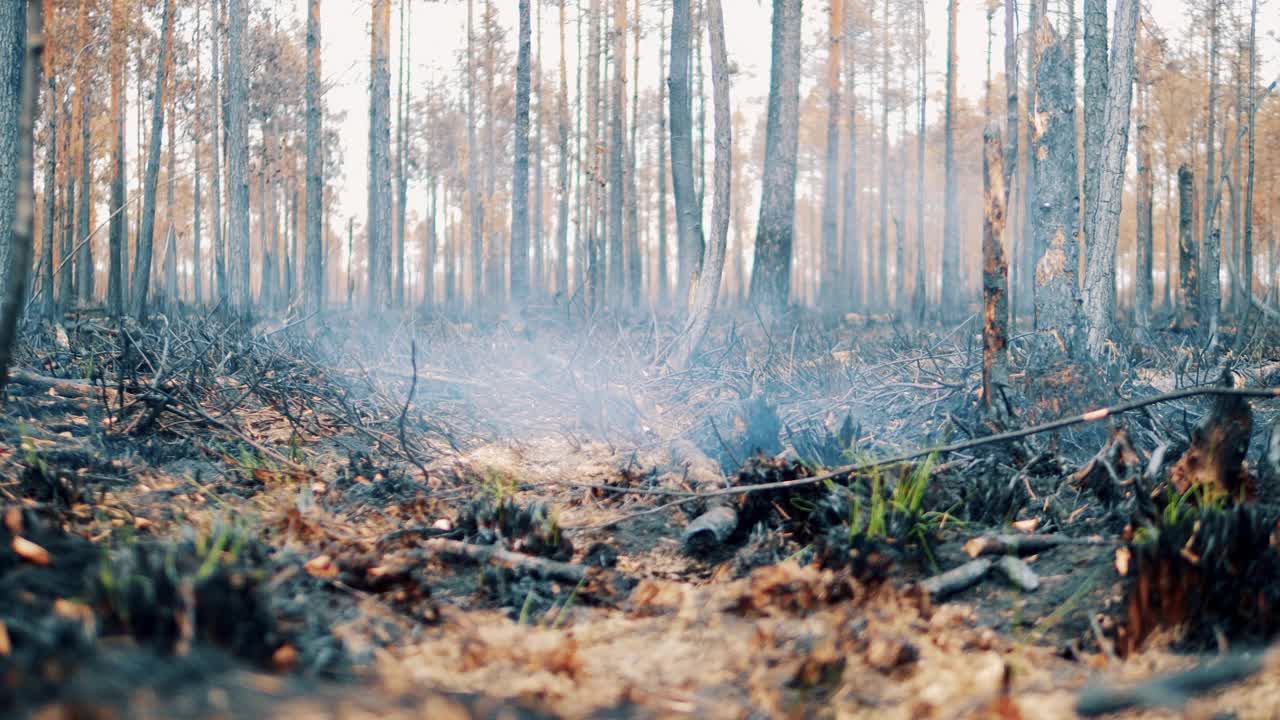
238	278
688	220
13	46
474	208
1188	260
920	300
831	171
219	249
1095	107
562	175
117	231
378	224
995	282
21	27
1100	271
634	271
951	296
771	278
538	273
1030	251
520	168
313	268
617	154
853	265
595	169
142	265
197	123
708	289
1249	173
84	251
47	306
1057	225
432	247
1209	260
1143	292
663	168
882	258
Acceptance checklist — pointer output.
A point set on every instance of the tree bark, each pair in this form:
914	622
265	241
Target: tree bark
21	46
238	280
831	171
688	220
1143	292
401	161
708	288
313	267
562	173
13	23
378	222
1209	260
84	245
882	258
920	296
1188	260
520	167
198	124
853	265
617	155
1095	107
117	231
663	274
474	207
47	307
771	278
995	282
634	271
1057	202
1100	271
1249	172
142	264
1030	251
951	296
219	128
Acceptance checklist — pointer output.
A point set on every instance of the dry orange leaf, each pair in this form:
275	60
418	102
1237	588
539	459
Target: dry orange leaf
284	658
30	551
13	520
6	646
1027	526
321	566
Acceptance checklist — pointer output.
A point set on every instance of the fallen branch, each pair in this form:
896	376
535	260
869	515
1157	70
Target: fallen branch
1024	544
957	579
1081	419
1018	572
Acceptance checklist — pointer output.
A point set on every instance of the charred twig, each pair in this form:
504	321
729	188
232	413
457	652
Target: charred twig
1024	544
1087	417
957	579
485	554
404	412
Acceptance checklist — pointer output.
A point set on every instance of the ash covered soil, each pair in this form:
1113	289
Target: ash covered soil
538	517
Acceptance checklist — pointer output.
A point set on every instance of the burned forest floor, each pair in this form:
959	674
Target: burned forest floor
536	516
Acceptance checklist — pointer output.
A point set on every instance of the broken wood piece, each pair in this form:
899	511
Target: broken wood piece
710	529
1018	572
702	474
1219	443
958	578
485	554
1170	691
1014	544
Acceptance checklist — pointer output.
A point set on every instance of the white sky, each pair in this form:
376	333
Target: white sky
439	31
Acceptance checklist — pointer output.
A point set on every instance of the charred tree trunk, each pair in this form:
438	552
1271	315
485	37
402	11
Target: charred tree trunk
84	245
1209	259
919	300
831	171
1057	203
219	128
771	278
142	264
238	281
1031	252
688	220
853	284
313	267
401	163
882	257
378	224
520	168
562	173
951	296
1188	260
117	230
995	282
47	306
1143	293
663	274
617	154
708	289
634	271
13	46
1100	272
475	210
1095	107
1249	172
21	46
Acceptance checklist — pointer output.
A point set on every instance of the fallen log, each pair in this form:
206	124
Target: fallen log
958	578
702	474
1168	691
1013	544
